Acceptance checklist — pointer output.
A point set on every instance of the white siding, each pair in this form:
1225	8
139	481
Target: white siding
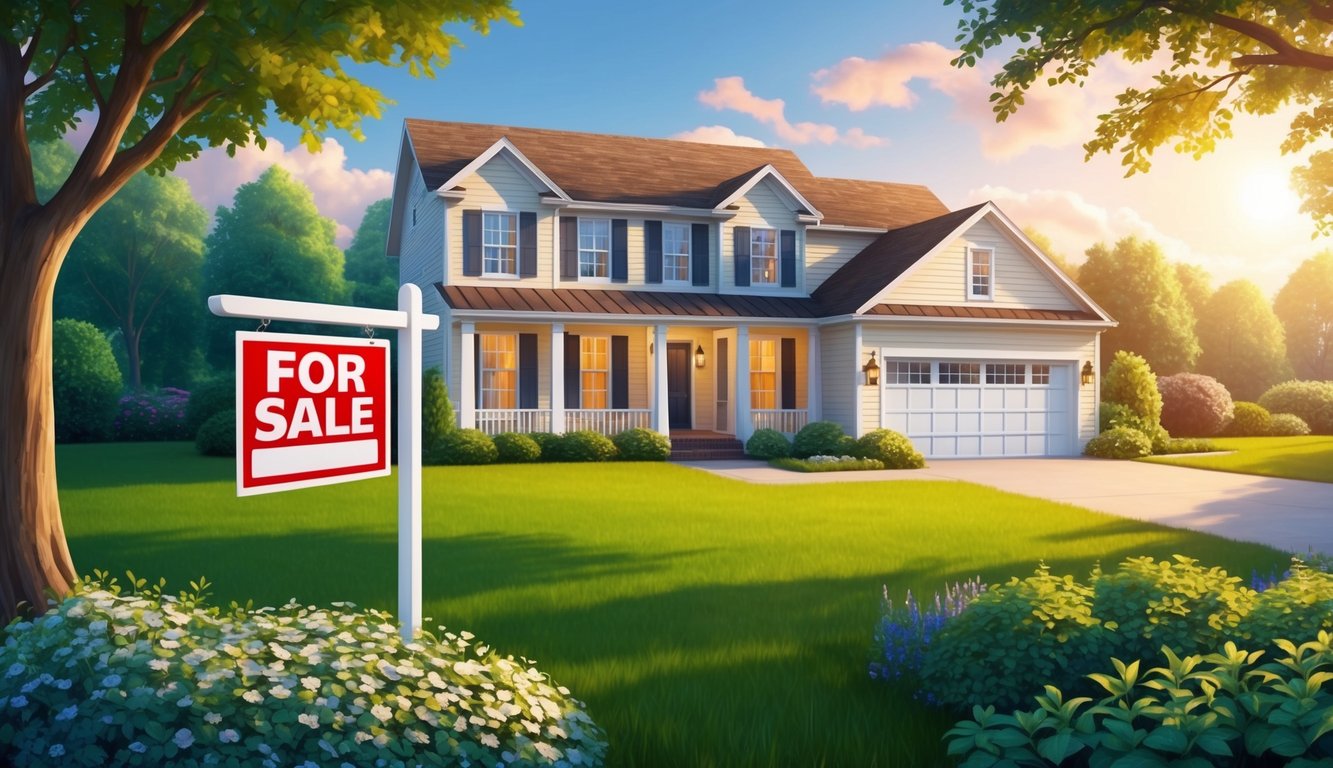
421	260
838	362
1018	281
760	207
636	253
499	186
826	252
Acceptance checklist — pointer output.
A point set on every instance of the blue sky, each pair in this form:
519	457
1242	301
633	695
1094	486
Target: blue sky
866	92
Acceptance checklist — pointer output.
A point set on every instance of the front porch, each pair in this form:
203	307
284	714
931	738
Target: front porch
558	377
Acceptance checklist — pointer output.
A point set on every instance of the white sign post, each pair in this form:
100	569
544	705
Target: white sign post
410	322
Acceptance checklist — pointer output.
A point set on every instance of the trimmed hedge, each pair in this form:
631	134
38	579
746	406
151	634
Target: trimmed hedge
1249	420
583	445
217	435
463	446
1194	405
86	381
1287	425
1311	400
890	448
768	444
1119	443
513	448
640	444
827	464
818	438
437	413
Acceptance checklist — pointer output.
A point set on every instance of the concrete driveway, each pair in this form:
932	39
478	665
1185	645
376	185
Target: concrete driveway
1292	515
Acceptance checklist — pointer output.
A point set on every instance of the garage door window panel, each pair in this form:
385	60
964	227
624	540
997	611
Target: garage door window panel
960	373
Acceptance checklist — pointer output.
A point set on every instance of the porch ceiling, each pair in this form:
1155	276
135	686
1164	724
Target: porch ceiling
618	302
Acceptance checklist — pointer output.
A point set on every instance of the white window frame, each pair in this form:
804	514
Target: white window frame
494	397
485	259
777	258
908	372
581	250
1041	374
755	343
584	370
961	369
971	275
686	255
1004	373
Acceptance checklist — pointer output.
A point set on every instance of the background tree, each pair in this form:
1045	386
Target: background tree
372	276
1196	285
1043	242
1134	282
1242	341
1227	56
135	268
158	82
1305	307
272	242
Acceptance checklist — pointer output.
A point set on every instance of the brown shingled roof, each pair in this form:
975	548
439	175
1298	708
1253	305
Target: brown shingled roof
623	169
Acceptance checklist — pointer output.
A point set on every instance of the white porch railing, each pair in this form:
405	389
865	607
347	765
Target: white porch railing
789	421
493	421
608	421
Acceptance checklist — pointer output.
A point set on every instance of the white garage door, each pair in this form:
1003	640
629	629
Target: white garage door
979	407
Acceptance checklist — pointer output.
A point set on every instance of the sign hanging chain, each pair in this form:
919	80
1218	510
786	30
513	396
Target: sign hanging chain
263	326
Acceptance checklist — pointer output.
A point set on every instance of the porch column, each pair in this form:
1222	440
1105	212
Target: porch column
744	418
814	390
661	406
557	377
467	372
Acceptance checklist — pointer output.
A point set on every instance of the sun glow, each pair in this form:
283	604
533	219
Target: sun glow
1266	196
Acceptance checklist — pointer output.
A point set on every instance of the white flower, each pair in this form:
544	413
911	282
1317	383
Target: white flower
229	736
111	680
310	683
381	713
183	738
279	692
68	713
308	719
212	718
417	736
362	737
490	740
254	697
56	750
160	665
138	747
549	752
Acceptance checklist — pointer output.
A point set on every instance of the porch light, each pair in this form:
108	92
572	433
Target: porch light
871	370
1087	373
699	356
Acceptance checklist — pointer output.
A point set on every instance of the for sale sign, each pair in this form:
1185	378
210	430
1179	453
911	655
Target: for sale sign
310	410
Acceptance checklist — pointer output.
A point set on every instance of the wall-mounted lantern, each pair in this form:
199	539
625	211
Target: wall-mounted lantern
871	370
1087	373
699	356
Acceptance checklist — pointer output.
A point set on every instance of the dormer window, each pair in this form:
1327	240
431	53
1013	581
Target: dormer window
763	256
980	273
499	241
594	249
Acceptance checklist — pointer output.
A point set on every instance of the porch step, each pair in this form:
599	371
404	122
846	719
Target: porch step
706	448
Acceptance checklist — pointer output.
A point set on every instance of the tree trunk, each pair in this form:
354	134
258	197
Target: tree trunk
33	555
131	338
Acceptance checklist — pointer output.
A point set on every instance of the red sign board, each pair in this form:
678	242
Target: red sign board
310	410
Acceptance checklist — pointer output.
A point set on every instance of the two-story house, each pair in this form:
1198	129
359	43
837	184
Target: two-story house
604	282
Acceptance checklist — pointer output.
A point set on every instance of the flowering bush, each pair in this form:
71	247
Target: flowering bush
156	415
142	678
1194	405
905	630
826	463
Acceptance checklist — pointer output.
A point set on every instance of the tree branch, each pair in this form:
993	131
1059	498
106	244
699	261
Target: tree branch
91	80
41	80
173	33
93	285
1285	51
1322	12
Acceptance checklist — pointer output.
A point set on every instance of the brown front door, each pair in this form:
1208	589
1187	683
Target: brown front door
679	415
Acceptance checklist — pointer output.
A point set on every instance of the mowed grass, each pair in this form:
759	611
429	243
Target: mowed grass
705	622
1298	458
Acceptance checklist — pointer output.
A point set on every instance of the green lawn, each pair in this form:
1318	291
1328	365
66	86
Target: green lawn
1297	458
706	622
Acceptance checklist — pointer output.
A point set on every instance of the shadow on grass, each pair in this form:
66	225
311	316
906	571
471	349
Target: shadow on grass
91	465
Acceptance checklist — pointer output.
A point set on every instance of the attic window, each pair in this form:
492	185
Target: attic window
980	273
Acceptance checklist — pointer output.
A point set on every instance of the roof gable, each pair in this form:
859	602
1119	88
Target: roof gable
789	194
505	148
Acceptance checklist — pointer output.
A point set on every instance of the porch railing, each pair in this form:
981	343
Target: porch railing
608	421
781	419
493	421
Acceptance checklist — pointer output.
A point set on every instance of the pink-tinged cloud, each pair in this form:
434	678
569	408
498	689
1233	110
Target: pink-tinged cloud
718	134
730	93
855	137
859	83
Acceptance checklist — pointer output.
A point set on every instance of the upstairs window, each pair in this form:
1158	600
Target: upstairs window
675	252
980	273
763	256
499	244
594	249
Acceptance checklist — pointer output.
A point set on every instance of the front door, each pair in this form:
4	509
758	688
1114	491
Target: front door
678	385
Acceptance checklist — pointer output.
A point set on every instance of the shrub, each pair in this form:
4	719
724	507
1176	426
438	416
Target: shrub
1194	405
1287	425
156	415
548	443
584	445
1311	400
1187	445
1131	382
1249	420
513	448
137	677
86	381
217	436
462	446
892	449
1119	443
905	630
437	413
827	464
1298	605
639	444
1112	415
818	438
768	444
1200	710
207	400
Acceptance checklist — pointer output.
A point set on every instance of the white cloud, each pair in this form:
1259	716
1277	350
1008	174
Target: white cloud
718	134
730	93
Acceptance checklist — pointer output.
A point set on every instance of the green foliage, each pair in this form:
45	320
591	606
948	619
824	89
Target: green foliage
1242	340
1300	605
217	435
891	449
1287	425
1134	283
135	676
1249	420
546	441
1194	405
513	448
86	380
1119	443
372	276
207	400
639	444
158	415
437	412
582	445
1310	400
1196	285
1176	445
827	464
1305	307
768	444
462	446
818	438
1131	382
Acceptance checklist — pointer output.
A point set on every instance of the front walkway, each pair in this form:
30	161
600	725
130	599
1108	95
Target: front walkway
1292	515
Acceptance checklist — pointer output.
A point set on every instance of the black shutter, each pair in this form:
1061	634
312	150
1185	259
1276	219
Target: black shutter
619	251
471	243
569	248
476	370
619	371
787	249
699	256
572	388
741	238
652	251
527	370
787	364
527	246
